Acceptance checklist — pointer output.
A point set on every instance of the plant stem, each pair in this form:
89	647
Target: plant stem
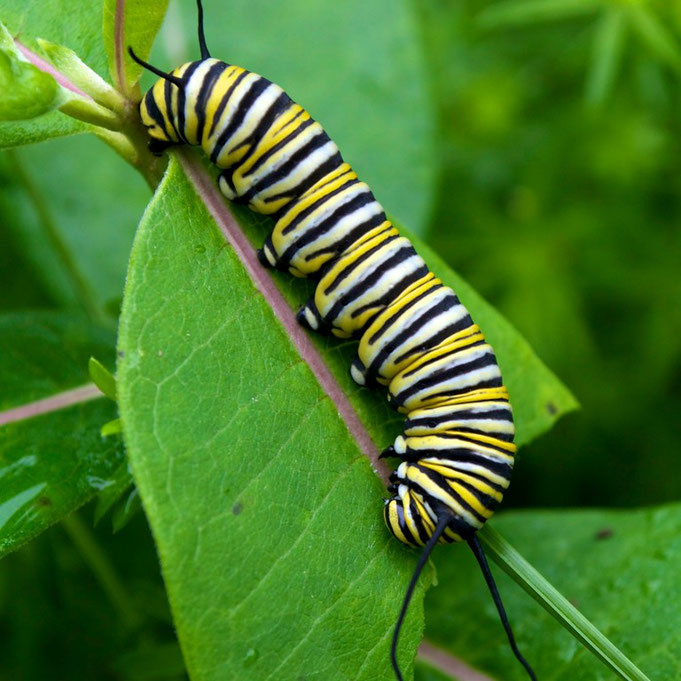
79	284
103	570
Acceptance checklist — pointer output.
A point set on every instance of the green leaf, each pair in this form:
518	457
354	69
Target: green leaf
28	92
76	24
522	12
619	568
55	461
102	378
131	23
607	53
371	96
246	469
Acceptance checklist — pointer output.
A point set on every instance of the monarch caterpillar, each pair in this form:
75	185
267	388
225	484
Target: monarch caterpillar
415	336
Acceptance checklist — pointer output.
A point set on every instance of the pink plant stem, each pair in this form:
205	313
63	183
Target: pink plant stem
84	393
448	664
40	63
208	192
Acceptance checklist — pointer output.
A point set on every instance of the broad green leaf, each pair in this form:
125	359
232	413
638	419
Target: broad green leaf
75	24
51	463
131	23
72	208
619	568
266	515
522	12
28	92
607	52
372	96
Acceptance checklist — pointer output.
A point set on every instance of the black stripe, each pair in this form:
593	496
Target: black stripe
393	292
350	268
205	93
352	237
276	109
182	99
310	180
155	112
168	98
432	287
278	146
493	414
285	169
311	234
242	109
322	200
450	354
439	338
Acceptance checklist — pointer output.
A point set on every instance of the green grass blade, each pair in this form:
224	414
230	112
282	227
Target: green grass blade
558	606
514	13
606	56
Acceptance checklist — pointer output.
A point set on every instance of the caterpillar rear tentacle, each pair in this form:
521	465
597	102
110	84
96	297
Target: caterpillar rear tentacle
415	336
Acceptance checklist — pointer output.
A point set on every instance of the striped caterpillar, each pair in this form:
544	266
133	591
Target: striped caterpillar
415	336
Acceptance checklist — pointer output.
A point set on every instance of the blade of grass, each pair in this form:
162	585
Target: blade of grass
514	13
558	606
607	51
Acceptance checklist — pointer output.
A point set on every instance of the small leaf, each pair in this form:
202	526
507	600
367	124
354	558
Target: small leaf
126	510
522	12
102	378
607	52
120	480
27	92
113	427
82	76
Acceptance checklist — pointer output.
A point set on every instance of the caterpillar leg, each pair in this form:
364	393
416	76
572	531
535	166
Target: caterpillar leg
266	254
309	317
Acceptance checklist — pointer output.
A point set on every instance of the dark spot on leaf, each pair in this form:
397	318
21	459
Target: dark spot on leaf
574	602
551	408
237	508
121	353
605	533
43	501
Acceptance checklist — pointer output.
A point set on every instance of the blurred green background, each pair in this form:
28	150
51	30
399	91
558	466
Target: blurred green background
555	185
559	199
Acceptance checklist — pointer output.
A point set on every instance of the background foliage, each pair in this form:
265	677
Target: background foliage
537	151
